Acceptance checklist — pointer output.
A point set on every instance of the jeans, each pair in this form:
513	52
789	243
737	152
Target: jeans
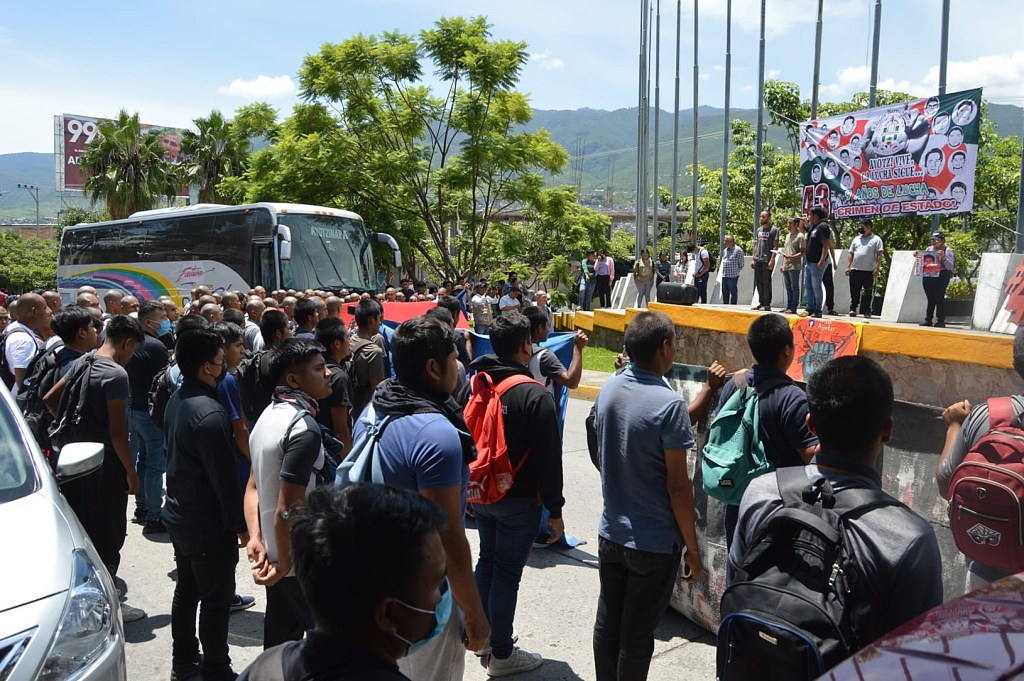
206	582
935	291
830	286
792	281
812	287
730	290
862	285
763	283
643	293
150	462
635	590
587	293
288	614
701	283
604	290
507	530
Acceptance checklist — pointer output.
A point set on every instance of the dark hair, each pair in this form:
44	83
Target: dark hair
508	332
536	316
934	150
1018	350
441	314
646	333
417	340
305	308
767	337
961	185
292	354
850	400
190	322
330	330
196	348
367	310
452	305
271	322
121	327
819	211
229	331
385	526
71	319
233	315
150	308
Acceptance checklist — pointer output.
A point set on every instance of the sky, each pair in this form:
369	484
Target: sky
174	62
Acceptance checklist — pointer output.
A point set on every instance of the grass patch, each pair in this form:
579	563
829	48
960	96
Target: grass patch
599	359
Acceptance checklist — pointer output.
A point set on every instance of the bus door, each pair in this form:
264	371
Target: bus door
264	266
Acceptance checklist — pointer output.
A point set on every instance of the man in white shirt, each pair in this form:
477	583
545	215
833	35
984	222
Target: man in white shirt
511	301
480	304
23	338
862	268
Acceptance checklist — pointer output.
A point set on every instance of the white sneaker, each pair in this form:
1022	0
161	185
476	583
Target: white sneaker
516	663
132	614
486	650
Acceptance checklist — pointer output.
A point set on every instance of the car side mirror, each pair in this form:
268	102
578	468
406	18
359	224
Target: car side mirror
78	459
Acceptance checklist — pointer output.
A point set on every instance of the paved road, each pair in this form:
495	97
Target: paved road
555	615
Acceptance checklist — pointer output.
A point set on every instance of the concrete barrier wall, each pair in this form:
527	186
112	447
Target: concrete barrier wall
908	473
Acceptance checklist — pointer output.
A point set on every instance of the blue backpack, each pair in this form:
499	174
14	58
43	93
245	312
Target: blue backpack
734	454
363	463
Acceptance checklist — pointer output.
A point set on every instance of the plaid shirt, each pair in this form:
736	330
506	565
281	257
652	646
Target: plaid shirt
732	262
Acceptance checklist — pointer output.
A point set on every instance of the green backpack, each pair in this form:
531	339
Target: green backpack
734	454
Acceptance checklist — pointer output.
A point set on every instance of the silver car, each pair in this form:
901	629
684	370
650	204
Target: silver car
59	612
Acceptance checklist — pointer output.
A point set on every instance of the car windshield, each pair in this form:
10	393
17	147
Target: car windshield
17	474
328	252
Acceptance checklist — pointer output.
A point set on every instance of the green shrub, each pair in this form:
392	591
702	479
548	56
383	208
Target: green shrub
959	290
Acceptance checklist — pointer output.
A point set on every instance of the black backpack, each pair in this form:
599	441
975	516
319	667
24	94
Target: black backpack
255	387
789	607
72	423
160	392
711	262
6	372
40	377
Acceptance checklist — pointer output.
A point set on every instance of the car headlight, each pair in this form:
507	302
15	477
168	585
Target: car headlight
87	626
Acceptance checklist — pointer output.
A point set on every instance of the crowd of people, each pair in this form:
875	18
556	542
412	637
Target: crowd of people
244	404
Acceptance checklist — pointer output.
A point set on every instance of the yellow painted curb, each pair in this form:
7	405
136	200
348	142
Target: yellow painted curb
727	321
584	320
940	344
585	392
610	319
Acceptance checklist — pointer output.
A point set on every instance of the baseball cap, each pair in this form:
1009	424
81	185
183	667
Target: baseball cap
938	235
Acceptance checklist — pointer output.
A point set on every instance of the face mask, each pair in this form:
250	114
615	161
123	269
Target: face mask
441	612
164	328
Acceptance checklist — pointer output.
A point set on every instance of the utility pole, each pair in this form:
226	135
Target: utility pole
675	140
760	121
1019	242
34	191
696	126
657	125
727	127
874	54
943	56
817	61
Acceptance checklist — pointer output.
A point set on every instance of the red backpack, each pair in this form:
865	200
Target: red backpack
491	475
986	493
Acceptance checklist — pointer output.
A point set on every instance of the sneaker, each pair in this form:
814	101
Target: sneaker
940	325
803	313
225	673
154	527
853	313
518	662
186	671
926	322
817	315
132	614
139	517
787	311
832	311
867	316
486	650
240	602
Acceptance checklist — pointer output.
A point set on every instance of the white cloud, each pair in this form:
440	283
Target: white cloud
261	87
705	76
772	74
545	61
781	16
854	79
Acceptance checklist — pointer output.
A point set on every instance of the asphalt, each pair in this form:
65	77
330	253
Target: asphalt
554	617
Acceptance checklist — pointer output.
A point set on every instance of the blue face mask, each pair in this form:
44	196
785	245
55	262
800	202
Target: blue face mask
442	612
164	328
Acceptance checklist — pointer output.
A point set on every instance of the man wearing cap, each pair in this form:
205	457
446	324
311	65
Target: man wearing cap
862	268
935	287
483	313
511	301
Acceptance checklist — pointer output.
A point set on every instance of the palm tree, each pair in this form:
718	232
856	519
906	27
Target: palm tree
212	154
126	169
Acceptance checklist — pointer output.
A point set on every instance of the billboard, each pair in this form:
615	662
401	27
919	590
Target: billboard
73	133
917	157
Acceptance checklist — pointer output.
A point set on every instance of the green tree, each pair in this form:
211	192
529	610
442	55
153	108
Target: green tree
213	152
126	169
27	263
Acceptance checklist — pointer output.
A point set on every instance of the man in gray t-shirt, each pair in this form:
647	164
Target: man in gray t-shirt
766	244
862	268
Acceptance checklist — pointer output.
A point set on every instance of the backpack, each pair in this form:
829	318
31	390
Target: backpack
39	378
360	392
160	392
363	463
734	454
253	391
491	475
788	608
986	491
330	446
6	372
72	422
711	261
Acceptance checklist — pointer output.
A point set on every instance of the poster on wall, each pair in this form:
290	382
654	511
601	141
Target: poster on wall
819	340
917	157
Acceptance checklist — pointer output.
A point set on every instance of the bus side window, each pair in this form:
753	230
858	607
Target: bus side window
76	247
263	264
106	246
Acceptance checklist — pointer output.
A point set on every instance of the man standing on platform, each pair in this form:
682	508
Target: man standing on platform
819	241
732	264
766	243
862	268
792	264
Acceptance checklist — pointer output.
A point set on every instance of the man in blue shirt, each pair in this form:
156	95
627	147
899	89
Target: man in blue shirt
644	434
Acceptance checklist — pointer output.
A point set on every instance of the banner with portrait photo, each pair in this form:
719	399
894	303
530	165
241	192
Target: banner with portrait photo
917	157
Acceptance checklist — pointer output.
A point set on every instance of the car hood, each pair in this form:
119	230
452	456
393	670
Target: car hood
38	542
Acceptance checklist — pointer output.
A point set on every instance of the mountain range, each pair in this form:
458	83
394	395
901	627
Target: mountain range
602	143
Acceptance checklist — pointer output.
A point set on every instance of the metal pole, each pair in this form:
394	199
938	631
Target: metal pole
874	54
760	119
657	124
817	61
943	56
1018	246
696	125
642	242
34	192
641	202
675	140
725	145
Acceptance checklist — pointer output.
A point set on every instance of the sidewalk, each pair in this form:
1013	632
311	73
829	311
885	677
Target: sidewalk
590	384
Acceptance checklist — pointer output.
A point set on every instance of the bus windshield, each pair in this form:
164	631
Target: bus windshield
328	252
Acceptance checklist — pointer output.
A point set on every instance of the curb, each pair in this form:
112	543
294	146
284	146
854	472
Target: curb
585	392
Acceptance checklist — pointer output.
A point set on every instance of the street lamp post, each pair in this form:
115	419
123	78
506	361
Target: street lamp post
34	191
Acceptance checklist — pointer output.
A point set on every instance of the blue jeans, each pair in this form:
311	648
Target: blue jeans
588	293
701	283
792	281
812	287
150	462
507	530
730	290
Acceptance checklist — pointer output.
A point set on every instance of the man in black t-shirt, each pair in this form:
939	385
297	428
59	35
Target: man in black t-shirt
819	242
336	410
